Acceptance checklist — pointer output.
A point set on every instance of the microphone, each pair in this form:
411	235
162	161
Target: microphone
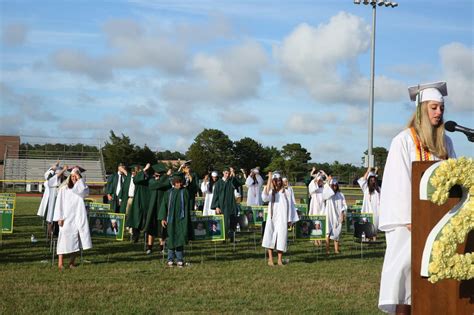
451	126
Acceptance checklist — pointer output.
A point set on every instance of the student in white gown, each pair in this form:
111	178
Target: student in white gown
315	188
71	215
207	188
423	140
54	176
254	183
288	187
371	202
281	214
335	208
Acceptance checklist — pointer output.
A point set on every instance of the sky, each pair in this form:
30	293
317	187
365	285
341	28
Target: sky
276	71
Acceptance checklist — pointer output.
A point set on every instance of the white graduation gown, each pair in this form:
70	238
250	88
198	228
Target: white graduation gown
44	201
334	208
280	213
70	207
395	214
316	205
253	193
290	189
49	200
207	199
371	202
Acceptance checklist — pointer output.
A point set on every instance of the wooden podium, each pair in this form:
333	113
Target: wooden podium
445	296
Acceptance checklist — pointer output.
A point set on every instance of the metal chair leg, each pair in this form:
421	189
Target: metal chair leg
53	243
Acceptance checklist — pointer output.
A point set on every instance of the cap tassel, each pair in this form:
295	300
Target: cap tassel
418	108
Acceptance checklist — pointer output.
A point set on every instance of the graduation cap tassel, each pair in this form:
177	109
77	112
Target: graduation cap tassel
418	107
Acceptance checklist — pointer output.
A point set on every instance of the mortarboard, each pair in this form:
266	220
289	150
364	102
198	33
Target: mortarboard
76	169
276	175
159	168
428	92
178	175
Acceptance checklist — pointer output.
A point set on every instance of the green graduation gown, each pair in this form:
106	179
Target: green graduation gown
111	188
158	189
175	210
224	198
193	188
137	212
124	193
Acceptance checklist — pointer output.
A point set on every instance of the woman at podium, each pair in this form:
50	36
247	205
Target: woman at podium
424	139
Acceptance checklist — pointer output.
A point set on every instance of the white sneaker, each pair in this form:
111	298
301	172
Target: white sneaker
170	263
148	251
180	264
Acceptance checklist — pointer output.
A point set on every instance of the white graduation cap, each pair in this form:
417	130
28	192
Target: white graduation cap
333	182
371	174
276	175
428	92
214	174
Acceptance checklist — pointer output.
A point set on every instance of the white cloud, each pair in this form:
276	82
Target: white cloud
239	117
147	109
136	48
28	105
323	60
14	34
132	46
11	124
180	124
230	76
458	68
182	144
387	131
77	62
309	123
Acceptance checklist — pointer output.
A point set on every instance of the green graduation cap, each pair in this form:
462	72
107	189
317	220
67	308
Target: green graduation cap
159	168
178	175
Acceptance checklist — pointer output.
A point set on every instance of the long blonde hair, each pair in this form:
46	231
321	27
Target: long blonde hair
431	137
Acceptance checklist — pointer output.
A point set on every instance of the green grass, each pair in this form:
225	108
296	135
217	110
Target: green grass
117	277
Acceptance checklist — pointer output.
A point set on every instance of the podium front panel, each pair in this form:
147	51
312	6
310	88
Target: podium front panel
445	296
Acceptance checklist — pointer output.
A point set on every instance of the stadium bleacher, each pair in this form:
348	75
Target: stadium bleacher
28	169
34	169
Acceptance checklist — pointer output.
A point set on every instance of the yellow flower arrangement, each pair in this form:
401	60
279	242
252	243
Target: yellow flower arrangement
445	262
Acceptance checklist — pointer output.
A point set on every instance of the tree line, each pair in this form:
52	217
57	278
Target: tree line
212	150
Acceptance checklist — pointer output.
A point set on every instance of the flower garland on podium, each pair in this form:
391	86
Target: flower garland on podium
445	263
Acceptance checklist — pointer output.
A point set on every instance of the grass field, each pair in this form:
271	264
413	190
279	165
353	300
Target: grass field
117	277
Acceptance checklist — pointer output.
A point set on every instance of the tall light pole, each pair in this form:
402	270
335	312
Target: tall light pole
374	4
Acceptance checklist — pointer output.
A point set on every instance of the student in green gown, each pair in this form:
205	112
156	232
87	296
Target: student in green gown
174	215
114	187
124	192
190	182
158	185
137	211
223	200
